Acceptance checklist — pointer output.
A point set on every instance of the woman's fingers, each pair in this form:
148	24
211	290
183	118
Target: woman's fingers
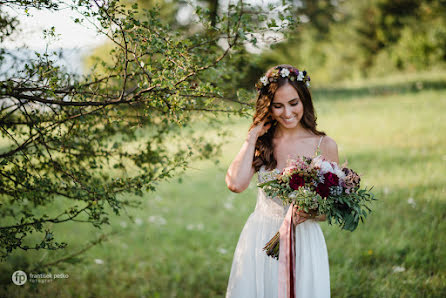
265	128
299	216
262	128
298	221
305	215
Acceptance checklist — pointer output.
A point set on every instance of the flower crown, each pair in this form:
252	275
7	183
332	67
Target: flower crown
279	71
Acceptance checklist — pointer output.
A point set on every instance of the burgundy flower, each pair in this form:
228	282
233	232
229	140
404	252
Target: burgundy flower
331	179
296	181
323	190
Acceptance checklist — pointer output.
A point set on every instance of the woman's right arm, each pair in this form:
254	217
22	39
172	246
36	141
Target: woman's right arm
241	170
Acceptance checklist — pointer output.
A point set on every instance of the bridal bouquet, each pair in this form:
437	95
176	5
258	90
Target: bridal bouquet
320	186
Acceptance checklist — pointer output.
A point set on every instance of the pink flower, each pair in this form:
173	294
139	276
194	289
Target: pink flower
351	181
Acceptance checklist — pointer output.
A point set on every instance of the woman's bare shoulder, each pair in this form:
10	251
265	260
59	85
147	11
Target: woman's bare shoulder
329	149
328	141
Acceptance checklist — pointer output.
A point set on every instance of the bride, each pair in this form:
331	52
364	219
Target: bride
284	126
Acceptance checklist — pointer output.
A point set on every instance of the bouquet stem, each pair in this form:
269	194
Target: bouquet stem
272	247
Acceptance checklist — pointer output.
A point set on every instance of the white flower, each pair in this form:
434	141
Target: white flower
317	160
284	72
339	173
411	202
156	219
308	84
337	170
228	205
198	227
326	167
138	221
288	170
222	250
397	269
99	261
300	77
264	80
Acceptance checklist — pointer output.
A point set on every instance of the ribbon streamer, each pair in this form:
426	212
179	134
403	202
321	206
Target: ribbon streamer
287	256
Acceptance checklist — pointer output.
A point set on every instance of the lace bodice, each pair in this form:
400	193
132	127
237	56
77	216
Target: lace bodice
267	205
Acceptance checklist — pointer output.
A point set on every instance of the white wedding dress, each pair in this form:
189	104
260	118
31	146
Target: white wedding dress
255	275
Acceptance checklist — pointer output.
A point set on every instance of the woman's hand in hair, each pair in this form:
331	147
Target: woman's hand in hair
241	170
261	128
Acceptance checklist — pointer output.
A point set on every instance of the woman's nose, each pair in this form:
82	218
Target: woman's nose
287	112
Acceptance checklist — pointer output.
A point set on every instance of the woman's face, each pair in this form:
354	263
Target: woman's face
287	107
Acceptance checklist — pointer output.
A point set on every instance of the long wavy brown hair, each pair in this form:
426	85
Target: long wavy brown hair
264	154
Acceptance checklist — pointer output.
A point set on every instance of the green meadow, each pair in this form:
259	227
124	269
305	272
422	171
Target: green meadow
180	241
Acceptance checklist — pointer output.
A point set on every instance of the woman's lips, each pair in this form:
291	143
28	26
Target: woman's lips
289	119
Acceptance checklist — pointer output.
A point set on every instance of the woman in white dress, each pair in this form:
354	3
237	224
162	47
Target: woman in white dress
284	126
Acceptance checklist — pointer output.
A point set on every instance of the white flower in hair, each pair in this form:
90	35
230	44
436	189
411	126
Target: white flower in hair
300	77
264	80
308	84
284	72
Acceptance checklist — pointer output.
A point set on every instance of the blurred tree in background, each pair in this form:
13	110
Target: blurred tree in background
340	40
77	143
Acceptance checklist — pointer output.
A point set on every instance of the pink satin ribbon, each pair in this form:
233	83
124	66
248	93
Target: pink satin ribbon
287	256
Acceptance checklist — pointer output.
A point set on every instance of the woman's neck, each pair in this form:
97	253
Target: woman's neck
296	132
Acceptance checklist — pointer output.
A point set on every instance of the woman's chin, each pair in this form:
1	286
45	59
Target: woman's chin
288	125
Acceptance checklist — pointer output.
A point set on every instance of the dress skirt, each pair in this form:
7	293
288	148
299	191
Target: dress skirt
255	275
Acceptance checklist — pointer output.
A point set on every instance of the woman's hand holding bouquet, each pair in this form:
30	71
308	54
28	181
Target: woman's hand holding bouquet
303	216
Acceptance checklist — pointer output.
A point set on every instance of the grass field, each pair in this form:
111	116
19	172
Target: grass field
180	242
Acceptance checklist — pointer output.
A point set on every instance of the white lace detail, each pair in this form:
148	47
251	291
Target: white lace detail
268	206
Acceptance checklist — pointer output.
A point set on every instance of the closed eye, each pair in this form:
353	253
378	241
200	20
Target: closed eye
291	104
